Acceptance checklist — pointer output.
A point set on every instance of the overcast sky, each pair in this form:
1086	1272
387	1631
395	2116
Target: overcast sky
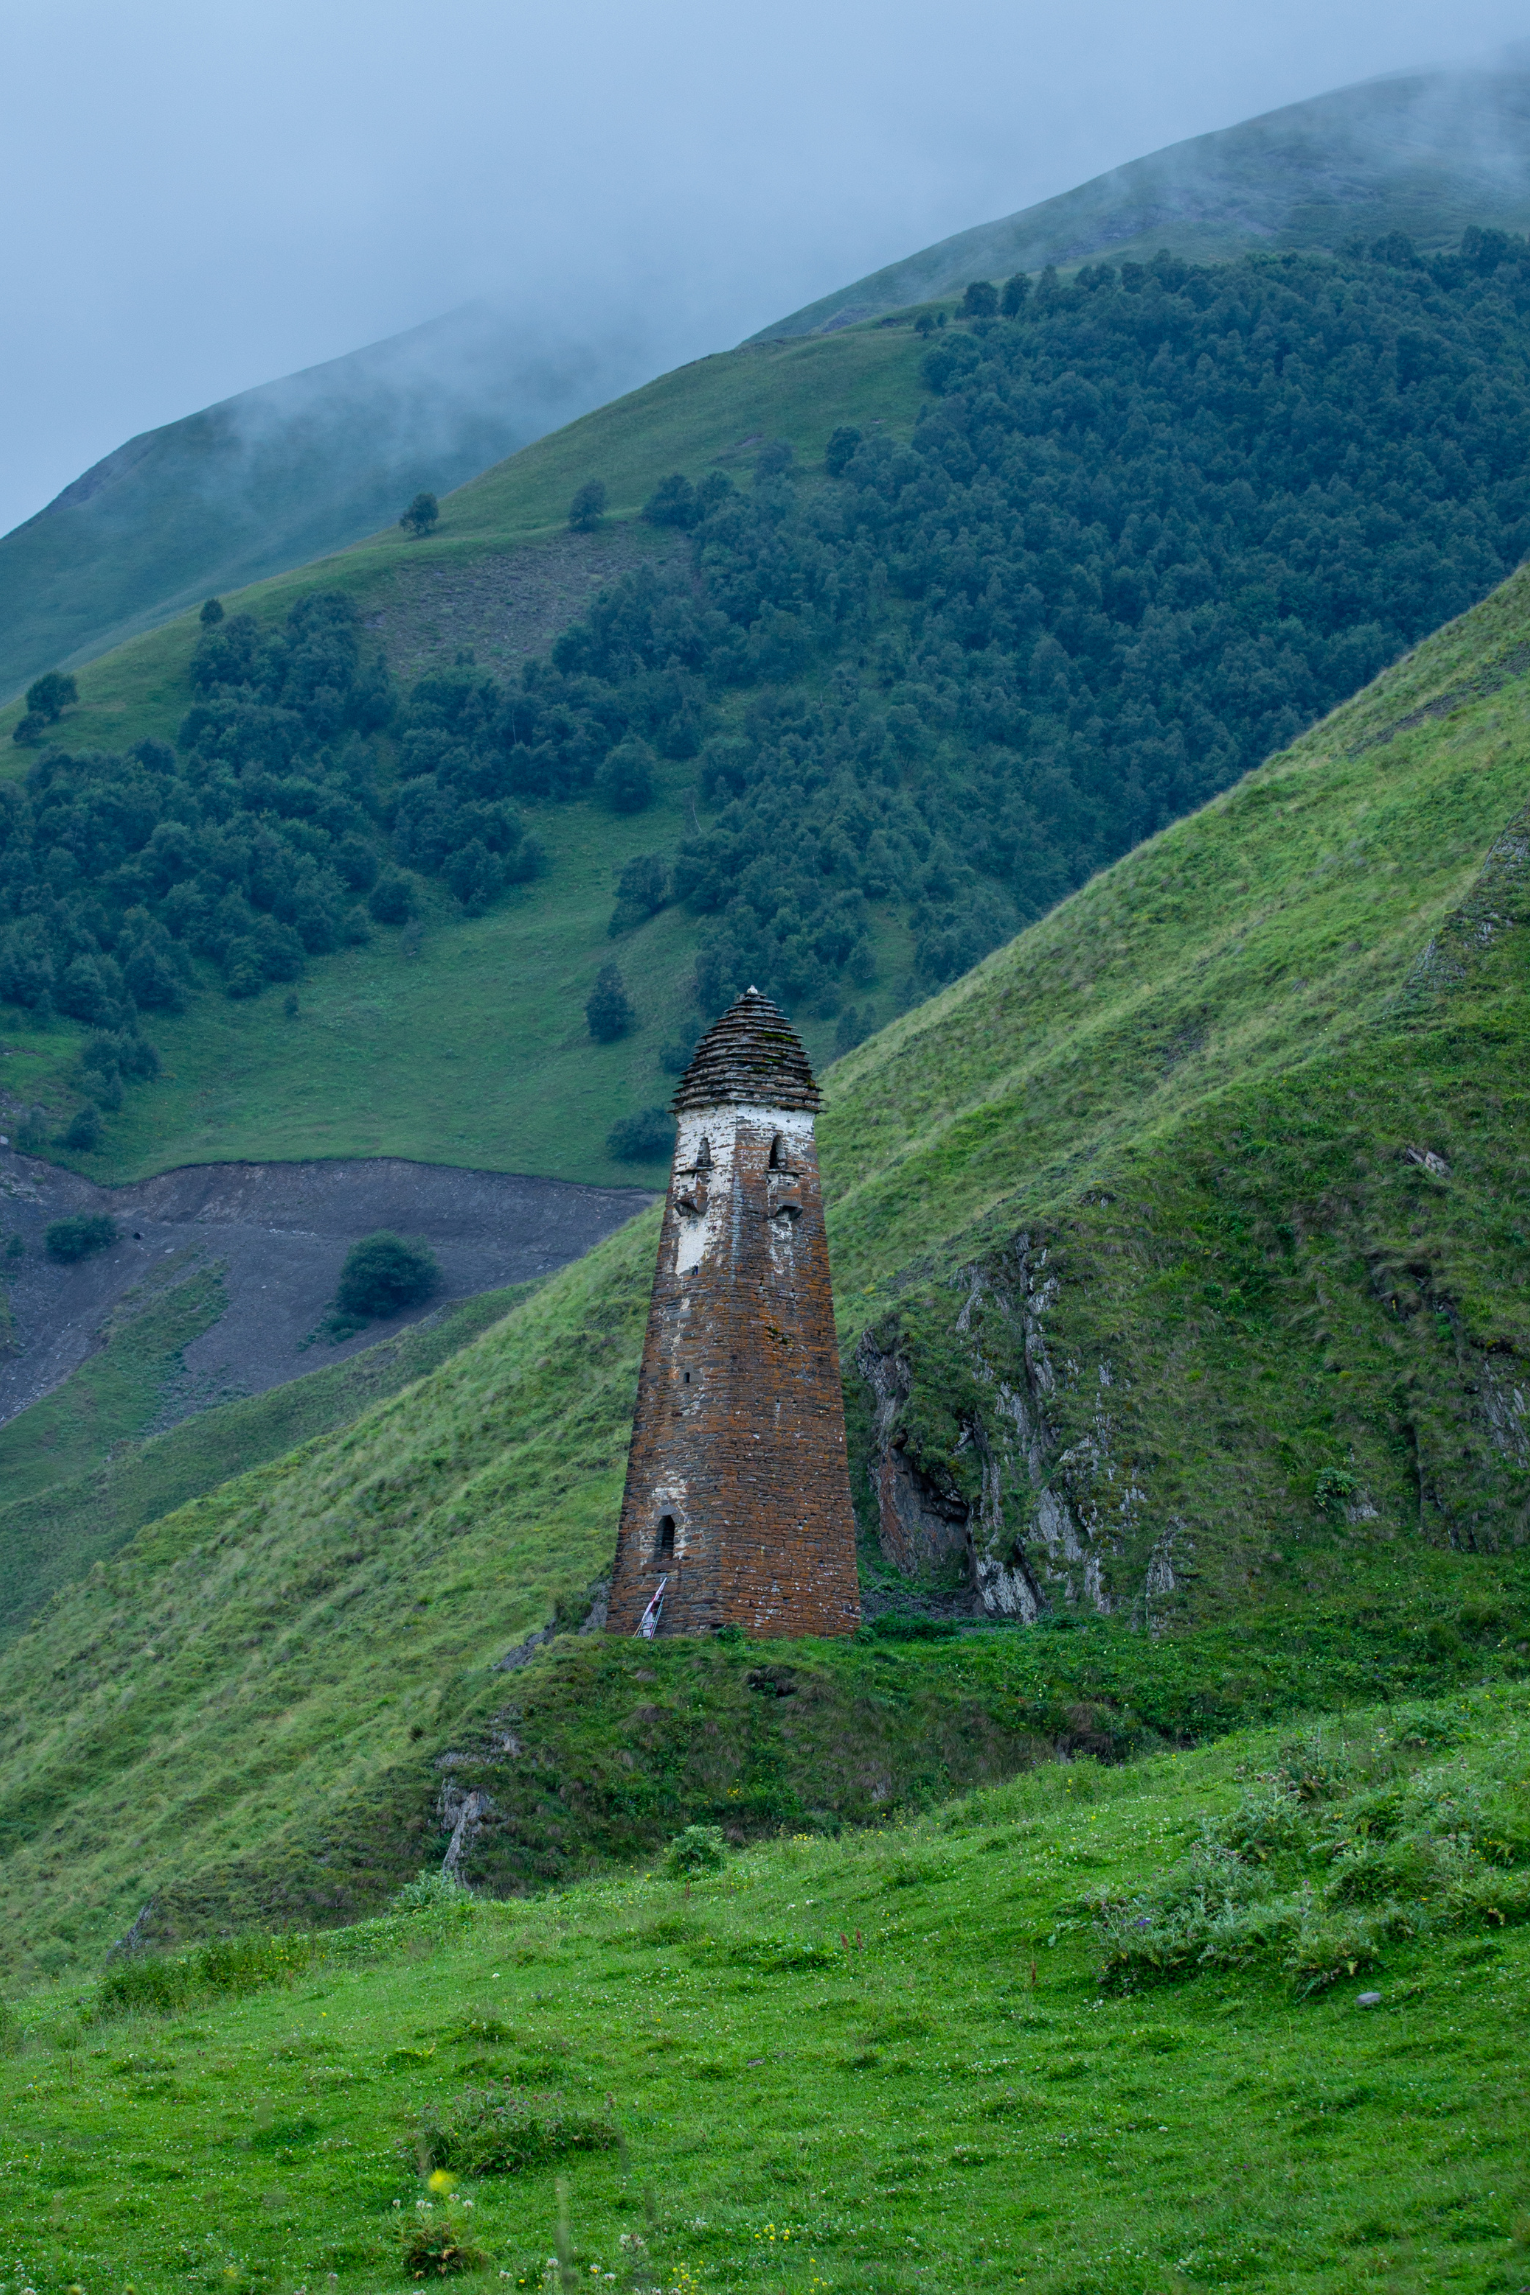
202	198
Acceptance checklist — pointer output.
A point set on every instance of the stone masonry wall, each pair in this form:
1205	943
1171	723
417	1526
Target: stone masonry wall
738	1489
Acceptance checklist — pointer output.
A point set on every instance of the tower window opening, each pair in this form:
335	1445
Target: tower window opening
778	1153
704	1155
666	1537
687	1378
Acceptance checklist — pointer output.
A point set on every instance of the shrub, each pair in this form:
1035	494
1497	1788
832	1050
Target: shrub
1335	1489
78	1237
643	1138
625	778
211	614
504	2133
607	1009
699	1849
82	1137
907	1626
588	507
435	2246
642	888
427	1891
229	1966
392	899
383	1275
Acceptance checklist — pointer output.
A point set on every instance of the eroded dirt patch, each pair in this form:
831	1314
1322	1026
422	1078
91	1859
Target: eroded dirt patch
505	607
279	1232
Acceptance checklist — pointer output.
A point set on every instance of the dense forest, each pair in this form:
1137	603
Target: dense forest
1146	528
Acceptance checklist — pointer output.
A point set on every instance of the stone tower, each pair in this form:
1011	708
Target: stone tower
738	1492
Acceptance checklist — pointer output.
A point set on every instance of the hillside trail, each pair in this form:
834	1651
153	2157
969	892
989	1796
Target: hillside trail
278	1234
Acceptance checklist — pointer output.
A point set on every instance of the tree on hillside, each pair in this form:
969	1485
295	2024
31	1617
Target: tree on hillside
842	444
588	507
1016	292
392	900
68	1240
672	503
981	300
383	1276
608	1010
642	1138
51	695
642	888
421	516
212	613
625	778
47	699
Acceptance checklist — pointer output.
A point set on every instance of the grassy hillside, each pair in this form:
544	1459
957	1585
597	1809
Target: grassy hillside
85	1469
1009	632
1425	153
317	460
898	2059
466	1041
273	477
1183	1243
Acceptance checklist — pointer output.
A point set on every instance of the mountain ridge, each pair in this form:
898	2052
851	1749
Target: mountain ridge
275	475
1364	159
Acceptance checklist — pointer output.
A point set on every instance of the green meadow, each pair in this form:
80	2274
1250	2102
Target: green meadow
893	2059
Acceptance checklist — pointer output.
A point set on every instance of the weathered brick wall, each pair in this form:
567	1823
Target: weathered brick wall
737	1483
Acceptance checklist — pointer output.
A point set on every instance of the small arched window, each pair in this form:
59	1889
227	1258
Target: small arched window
778	1153
703	1155
666	1538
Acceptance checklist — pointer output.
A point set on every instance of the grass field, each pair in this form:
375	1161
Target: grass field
84	1469
881	2061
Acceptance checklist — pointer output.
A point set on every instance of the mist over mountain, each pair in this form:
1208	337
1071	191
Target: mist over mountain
284	473
1426	153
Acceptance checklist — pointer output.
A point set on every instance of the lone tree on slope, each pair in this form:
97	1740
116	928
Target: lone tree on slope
981	300
608	1011
47	699
588	507
51	695
383	1275
421	515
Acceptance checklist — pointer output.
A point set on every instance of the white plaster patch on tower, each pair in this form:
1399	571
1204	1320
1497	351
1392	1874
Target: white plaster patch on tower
703	1198
701	1191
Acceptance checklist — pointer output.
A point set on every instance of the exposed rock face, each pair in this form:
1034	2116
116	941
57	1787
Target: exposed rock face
1042	1524
466	1811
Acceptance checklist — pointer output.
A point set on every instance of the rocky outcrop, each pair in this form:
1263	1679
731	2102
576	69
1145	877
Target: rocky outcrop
1499	899
1038	1518
466	1811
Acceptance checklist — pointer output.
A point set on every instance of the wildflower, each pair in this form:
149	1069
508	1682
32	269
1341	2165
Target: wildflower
440	2181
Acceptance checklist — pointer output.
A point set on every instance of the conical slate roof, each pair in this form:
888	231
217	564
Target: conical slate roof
751	1053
